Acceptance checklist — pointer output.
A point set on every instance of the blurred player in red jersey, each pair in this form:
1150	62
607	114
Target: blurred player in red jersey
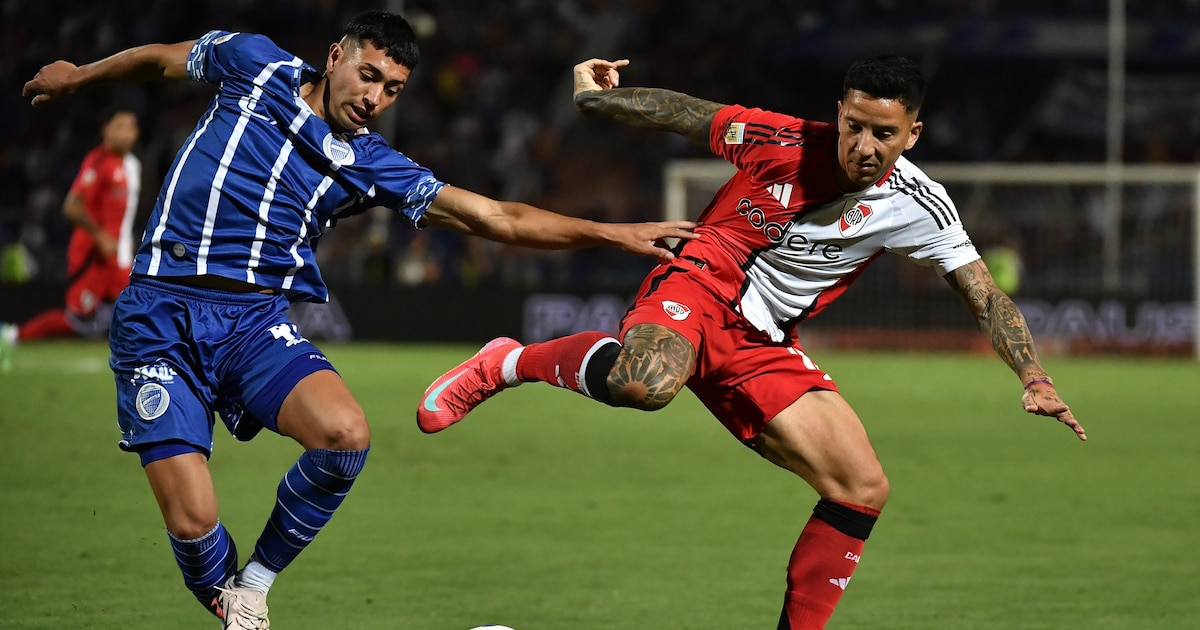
811	205
101	204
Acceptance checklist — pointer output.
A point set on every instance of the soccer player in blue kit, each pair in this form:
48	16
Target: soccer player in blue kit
281	154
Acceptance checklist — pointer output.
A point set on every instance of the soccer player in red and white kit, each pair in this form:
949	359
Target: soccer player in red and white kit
102	204
810	206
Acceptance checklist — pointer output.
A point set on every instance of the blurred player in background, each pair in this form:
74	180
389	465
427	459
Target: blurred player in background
811	205
282	154
101	205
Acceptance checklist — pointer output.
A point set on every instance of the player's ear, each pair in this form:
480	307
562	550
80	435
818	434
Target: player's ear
913	133
335	53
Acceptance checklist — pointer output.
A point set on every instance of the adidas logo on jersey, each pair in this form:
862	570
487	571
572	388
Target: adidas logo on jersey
781	192
840	582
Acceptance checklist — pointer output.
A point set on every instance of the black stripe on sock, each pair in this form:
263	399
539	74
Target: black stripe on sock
847	520
595	373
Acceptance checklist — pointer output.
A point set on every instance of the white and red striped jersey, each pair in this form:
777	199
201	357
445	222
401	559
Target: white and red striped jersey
781	241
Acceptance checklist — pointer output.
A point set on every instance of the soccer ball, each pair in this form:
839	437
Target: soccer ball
491	628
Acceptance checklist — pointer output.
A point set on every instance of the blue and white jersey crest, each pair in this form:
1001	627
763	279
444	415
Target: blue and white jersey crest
261	175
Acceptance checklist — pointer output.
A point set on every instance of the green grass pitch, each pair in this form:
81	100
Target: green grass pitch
544	511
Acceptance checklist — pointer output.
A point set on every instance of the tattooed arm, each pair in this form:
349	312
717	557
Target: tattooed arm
596	94
1003	323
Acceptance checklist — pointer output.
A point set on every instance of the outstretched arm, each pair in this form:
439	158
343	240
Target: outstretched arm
597	94
152	61
1005	326
521	224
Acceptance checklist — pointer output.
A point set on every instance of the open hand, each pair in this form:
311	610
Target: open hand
1042	399
646	239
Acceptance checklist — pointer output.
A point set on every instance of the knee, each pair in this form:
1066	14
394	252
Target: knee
863	485
348	431
870	488
651	368
187	524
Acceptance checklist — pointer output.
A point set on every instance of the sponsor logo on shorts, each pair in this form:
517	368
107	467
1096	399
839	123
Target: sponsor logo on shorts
288	333
157	372
152	401
675	310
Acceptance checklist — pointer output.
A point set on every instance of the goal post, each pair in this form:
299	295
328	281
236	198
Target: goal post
1107	250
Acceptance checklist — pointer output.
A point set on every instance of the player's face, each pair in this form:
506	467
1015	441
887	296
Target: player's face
363	83
120	133
872	133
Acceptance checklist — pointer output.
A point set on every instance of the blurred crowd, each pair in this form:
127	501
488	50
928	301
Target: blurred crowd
489	108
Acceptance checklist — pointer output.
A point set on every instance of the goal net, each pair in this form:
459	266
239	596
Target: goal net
1099	258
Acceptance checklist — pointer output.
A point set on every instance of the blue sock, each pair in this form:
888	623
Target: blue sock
305	501
206	562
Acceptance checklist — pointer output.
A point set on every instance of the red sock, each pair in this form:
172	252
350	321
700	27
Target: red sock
47	324
562	361
822	562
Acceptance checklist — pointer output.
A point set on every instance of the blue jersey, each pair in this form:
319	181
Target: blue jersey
262	175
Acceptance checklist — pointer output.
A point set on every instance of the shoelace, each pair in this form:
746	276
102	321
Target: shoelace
245	614
474	396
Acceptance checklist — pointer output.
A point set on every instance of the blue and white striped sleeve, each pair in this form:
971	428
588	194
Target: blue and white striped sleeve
203	61
399	183
420	196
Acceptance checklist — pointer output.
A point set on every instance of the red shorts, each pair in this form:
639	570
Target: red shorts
92	281
742	376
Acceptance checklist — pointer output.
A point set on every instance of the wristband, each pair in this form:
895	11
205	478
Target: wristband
1038	380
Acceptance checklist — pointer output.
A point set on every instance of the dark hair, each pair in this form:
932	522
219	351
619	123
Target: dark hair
887	76
388	32
111	112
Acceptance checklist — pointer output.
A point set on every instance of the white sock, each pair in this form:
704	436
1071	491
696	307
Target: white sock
509	367
256	576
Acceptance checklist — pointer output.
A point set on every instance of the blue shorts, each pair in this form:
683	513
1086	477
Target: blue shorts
181	353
